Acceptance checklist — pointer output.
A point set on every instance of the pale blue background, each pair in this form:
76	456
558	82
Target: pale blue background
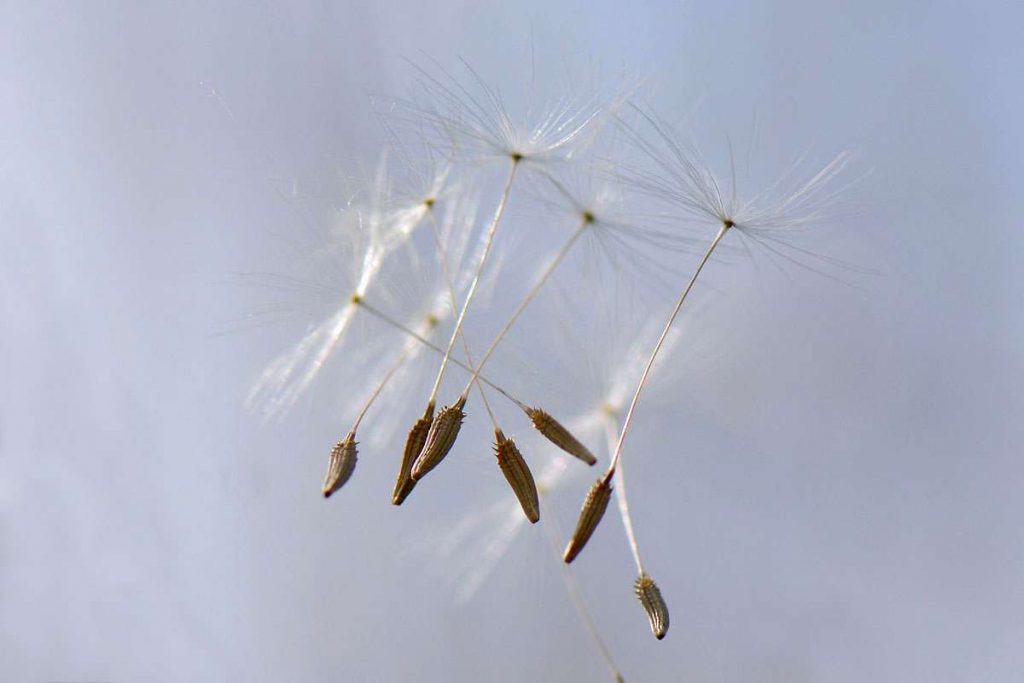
847	509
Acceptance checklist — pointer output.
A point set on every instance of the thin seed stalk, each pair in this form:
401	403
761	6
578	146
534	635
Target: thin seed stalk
384	317
445	428
534	290
400	360
489	240
596	501
621	498
446	273
661	340
342	459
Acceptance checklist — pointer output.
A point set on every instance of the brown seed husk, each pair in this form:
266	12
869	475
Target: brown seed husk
404	483
554	432
440	439
593	509
340	465
653	604
518	475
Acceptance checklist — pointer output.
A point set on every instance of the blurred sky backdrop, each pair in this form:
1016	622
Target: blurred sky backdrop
841	503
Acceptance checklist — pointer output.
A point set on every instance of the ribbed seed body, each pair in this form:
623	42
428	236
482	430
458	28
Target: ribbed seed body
404	483
653	604
340	465
440	439
518	475
553	431
593	509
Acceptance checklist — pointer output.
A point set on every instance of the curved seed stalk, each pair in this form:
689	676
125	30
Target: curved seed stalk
488	242
530	295
610	428
726	225
333	463
518	475
413	334
652	602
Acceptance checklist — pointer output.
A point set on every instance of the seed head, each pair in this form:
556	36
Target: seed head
553	431
468	114
650	597
440	439
803	196
518	475
341	464
593	509
404	483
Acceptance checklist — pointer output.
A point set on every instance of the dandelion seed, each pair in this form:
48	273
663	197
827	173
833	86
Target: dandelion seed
652	602
593	509
554	432
440	439
404	484
694	188
801	197
518	475
341	464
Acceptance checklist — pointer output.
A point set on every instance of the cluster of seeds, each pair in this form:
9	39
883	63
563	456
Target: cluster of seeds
461	130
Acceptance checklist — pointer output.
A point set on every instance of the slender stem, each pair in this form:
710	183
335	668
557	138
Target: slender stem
373	310
548	270
611	429
443	258
572	587
399	361
657	347
489	240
